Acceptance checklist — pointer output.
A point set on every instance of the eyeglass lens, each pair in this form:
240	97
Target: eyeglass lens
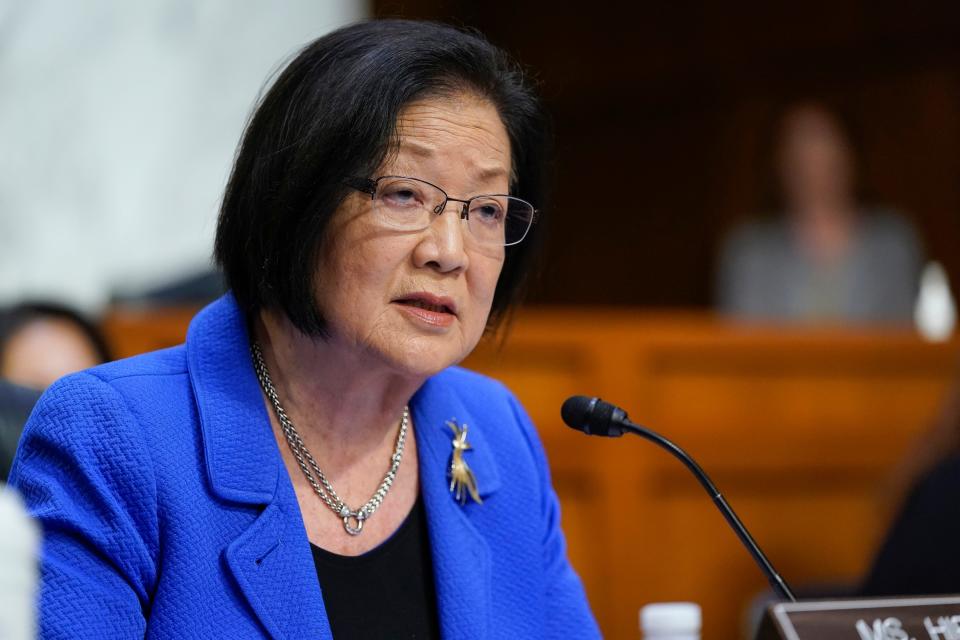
411	204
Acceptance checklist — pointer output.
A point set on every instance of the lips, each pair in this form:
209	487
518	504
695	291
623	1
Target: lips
429	302
429	307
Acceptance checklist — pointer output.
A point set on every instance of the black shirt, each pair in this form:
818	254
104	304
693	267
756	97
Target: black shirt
387	592
15	406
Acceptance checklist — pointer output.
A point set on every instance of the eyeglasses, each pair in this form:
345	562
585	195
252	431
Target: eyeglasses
410	204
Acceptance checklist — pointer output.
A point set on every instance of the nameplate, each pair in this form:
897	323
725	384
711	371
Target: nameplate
927	618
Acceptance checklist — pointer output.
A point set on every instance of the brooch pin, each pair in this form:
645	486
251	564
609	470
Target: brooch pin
462	480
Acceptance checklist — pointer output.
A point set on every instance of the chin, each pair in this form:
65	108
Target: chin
424	366
423	359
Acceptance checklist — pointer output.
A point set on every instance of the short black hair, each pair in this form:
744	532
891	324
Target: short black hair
17	316
331	114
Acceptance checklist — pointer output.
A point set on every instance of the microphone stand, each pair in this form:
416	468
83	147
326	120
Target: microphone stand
776	581
595	417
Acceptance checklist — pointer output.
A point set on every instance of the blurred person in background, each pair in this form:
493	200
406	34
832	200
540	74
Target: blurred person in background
41	342
827	257
311	463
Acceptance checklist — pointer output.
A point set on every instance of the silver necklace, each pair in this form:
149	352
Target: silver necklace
353	519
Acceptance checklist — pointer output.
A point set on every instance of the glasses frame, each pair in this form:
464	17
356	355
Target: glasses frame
369	187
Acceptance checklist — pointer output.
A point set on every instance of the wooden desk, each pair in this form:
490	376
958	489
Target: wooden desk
800	429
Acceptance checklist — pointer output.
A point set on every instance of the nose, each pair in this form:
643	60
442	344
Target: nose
442	245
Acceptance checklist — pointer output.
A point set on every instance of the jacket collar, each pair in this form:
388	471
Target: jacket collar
271	559
237	438
461	556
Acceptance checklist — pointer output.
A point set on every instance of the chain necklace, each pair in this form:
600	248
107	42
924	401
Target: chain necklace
352	519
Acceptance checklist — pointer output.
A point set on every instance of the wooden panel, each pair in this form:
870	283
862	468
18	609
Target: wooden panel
137	330
666	114
799	428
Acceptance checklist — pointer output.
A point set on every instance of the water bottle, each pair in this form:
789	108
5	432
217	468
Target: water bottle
19	544
935	313
670	621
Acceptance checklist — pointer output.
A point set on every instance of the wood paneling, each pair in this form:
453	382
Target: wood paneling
665	113
133	330
801	430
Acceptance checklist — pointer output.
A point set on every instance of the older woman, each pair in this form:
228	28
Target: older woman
310	463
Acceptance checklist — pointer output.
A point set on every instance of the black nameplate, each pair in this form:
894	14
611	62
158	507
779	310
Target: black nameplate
928	618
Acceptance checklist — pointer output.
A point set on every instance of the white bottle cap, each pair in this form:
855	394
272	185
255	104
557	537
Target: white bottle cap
670	618
935	313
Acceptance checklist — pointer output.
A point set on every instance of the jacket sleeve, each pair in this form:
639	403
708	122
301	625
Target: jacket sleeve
86	476
568	613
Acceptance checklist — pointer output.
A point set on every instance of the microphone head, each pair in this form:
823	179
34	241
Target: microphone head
593	416
575	410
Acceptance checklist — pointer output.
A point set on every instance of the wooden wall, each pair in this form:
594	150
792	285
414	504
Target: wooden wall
664	114
801	430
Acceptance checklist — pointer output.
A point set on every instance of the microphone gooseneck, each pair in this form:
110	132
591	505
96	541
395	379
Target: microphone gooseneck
593	416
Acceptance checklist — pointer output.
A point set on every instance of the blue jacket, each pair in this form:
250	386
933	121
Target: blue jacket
168	513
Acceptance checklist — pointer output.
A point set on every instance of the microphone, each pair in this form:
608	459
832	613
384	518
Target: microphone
595	417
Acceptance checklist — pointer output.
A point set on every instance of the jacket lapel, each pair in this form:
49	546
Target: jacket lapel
461	556
271	559
273	566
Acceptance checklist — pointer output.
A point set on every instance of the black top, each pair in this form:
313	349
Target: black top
387	592
921	553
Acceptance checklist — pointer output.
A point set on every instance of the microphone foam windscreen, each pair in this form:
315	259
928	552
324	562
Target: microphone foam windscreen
574	411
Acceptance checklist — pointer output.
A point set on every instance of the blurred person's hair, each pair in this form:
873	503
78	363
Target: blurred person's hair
332	114
16	317
772	200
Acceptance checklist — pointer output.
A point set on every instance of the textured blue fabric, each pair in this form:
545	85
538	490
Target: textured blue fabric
168	513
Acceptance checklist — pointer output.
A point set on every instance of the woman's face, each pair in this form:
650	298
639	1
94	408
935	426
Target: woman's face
418	302
45	349
816	163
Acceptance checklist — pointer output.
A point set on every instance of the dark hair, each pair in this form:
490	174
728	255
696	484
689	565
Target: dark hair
773	201
331	114
14	318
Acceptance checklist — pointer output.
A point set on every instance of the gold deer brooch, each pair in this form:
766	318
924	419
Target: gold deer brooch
462	480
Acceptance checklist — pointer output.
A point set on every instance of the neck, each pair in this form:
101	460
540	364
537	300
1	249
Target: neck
829	207
331	393
826	230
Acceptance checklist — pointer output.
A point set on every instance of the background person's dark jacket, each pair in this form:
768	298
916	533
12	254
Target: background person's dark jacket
15	406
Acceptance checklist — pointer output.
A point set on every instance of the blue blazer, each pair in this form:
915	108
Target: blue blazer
168	513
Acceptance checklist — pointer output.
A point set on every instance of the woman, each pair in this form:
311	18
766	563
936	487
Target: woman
309	461
39	343
828	258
